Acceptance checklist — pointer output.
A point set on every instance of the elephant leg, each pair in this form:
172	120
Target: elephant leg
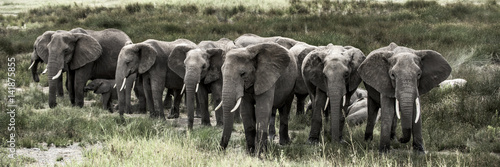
247	111
60	89
106	102
148	94
70	81
316	121
300	103
82	75
216	90
157	88
139	93
168	99
372	110
418	142
177	102
263	107
272	124
197	109
128	92
344	113
393	127
203	104
388	109
284	118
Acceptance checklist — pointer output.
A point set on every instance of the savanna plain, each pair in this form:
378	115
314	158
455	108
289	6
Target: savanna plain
461	125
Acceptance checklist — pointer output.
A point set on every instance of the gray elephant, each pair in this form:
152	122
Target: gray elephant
87	54
257	79
358	112
200	67
330	73
251	39
359	94
395	77
149	59
107	89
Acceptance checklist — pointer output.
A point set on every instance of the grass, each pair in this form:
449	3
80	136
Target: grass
461	126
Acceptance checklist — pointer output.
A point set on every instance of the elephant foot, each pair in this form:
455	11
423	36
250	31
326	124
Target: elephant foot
52	105
60	95
206	123
220	124
197	116
271	137
173	116
285	141
384	149
368	136
110	110
402	140
419	149
312	140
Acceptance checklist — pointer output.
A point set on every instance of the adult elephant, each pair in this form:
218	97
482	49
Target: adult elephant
149	60
330	73
88	55
395	78
255	80
251	39
200	67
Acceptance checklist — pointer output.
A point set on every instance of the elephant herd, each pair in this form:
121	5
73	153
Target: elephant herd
252	77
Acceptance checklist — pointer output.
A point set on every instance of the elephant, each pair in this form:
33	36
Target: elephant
149	59
200	67
358	112
107	89
257	79
167	102
330	73
88	55
251	39
359	94
458	82
395	77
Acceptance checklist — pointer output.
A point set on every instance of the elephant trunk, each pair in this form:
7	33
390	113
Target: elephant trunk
191	81
54	70
120	75
231	92
336	93
406	107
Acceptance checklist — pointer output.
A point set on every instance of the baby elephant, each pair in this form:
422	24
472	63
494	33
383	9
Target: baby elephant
106	89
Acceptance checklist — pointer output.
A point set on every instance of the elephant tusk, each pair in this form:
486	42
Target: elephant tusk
197	85
397	109
29	68
133	85
114	86
417	103
326	104
57	75
123	84
44	71
237	105
343	100
218	106
183	88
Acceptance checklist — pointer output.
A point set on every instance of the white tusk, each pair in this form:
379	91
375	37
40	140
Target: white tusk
123	84
237	105
397	109
197	85
57	75
114	86
133	85
417	103
44	71
326	104
218	106
183	87
29	68
343	100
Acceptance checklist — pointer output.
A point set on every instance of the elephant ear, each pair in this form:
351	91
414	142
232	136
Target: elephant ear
356	58
214	70
286	42
271	60
176	59
435	69
312	69
41	45
374	71
104	87
147	56
87	50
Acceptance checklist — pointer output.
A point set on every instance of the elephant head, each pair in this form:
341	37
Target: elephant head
100	86
404	74
66	48
333	69
254	70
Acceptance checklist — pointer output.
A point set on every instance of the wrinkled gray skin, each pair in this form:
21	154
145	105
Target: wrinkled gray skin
358	112
263	76
201	65
251	39
105	88
87	54
359	94
396	72
149	59
330	72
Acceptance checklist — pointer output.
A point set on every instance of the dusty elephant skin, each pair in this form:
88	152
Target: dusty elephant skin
87	54
330	73
105	88
149	59
200	67
395	77
257	79
252	39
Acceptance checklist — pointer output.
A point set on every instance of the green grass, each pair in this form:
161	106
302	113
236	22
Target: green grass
461	126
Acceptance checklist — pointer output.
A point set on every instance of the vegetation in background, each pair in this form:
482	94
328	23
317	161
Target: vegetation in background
461	126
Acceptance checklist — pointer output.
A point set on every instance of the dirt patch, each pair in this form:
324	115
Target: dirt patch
51	155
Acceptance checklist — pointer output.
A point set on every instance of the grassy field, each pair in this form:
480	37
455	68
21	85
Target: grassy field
461	126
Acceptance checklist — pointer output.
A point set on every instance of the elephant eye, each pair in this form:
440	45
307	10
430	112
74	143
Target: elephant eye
66	51
346	74
393	76
242	74
419	74
204	66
